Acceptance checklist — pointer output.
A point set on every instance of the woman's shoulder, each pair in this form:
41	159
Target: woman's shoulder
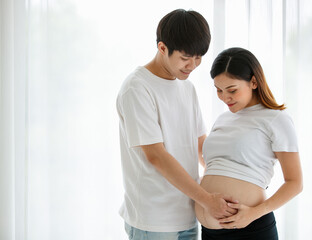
275	114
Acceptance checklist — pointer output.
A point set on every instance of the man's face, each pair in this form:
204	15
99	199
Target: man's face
180	65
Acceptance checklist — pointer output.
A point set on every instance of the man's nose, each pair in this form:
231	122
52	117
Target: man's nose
192	64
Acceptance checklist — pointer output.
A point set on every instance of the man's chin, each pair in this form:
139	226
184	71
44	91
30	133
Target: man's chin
183	77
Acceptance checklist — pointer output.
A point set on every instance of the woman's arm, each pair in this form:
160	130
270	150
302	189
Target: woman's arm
290	163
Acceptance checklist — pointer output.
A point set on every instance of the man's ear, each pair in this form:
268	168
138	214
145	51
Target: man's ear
254	82
162	48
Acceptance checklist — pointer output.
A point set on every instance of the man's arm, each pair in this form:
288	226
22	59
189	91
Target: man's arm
200	150
171	169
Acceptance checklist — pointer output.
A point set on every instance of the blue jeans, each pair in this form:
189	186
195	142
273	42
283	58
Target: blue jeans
137	234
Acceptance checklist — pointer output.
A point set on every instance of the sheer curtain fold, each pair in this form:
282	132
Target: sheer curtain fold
7	163
218	41
13	133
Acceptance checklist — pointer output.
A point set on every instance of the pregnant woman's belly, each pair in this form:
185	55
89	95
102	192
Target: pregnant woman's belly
245	192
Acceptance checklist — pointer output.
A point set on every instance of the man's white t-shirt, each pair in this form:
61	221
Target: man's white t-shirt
153	110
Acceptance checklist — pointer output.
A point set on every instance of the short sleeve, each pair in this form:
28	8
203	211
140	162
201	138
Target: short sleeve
201	127
284	137
140	118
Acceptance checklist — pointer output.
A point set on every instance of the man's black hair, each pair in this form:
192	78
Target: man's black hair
186	31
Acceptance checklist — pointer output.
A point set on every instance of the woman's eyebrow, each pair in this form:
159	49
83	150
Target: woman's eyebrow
230	86
227	86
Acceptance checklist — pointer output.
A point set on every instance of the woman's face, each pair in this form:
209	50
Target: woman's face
236	93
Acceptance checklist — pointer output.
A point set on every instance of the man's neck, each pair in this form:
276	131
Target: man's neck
157	67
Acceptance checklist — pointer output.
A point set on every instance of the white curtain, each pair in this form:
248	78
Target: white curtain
13	120
62	63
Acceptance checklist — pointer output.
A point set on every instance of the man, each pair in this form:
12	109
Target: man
161	136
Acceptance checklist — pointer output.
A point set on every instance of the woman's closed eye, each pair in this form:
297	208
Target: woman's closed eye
232	91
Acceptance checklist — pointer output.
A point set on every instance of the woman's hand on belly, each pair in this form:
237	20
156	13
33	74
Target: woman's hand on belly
243	218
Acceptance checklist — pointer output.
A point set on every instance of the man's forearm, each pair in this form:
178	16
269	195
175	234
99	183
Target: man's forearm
172	170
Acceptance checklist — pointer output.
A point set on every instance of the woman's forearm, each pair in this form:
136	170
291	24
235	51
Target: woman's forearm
285	193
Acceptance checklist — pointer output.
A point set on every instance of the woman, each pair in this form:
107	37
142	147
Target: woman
242	148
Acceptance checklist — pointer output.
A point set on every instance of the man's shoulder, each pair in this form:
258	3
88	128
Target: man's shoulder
135	80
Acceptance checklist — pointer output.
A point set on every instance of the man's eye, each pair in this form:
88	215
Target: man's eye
184	59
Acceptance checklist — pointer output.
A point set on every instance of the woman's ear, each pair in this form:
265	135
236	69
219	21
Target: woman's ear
254	83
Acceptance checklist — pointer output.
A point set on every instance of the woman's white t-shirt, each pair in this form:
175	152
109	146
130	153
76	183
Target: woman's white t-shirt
241	145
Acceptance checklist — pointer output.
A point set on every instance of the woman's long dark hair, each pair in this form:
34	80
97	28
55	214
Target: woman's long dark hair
241	64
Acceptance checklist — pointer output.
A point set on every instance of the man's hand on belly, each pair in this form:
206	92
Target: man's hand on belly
218	206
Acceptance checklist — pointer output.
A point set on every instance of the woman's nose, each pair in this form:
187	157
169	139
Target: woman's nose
226	98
